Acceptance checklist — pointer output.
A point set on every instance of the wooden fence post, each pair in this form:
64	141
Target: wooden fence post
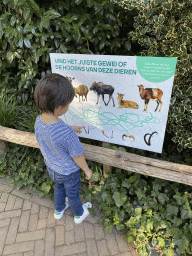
106	168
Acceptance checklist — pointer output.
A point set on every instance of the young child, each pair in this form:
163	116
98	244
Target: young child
60	145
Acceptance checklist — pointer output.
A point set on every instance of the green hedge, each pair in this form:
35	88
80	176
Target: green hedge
164	29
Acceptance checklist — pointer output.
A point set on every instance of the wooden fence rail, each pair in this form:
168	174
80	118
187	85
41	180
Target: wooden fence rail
123	160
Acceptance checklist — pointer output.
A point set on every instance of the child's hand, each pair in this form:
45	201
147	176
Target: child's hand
89	174
77	129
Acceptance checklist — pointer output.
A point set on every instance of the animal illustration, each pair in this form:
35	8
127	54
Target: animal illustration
126	103
130	136
101	88
106	135
81	90
149	139
150	94
70	78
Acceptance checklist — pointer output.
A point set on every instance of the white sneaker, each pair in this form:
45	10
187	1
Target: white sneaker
79	219
59	215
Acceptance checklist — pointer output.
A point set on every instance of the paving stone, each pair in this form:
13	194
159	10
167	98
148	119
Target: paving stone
60	235
31	253
6	188
92	248
29	236
18	203
125	254
11	236
52	206
20	247
79	233
92	219
39	248
41	201
49	242
69	223
23	193
41	223
2	207
102	248
27	205
4	197
43	214
69	237
112	244
61	221
3	234
34	208
89	231
5	223
33	222
16	254
99	232
10	214
70	249
10	203
82	254
122	244
51	219
24	221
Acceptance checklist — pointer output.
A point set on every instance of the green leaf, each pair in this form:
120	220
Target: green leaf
126	183
27	43
161	241
63	49
26	13
162	198
45	187
45	22
90	3
76	34
20	43
128	45
130	239
185	214
138	211
172	209
10	56
12	21
133	178
95	177
161	18
168	252
52	14
121	149
120	226
119	198
78	1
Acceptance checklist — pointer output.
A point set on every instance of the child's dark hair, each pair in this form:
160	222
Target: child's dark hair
52	91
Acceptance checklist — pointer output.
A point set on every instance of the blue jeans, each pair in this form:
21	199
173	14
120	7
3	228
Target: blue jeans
67	185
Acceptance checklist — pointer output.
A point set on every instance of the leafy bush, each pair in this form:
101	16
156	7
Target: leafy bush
163	29
154	212
29	33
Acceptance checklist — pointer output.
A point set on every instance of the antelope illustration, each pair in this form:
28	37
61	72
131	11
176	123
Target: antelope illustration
126	103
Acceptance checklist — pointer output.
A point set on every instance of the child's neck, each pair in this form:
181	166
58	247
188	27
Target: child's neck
50	117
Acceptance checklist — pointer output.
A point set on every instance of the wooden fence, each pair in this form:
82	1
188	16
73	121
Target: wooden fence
108	157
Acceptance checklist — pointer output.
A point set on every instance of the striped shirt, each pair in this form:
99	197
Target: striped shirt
58	143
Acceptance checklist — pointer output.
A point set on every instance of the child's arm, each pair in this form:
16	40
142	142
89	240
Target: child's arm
81	162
